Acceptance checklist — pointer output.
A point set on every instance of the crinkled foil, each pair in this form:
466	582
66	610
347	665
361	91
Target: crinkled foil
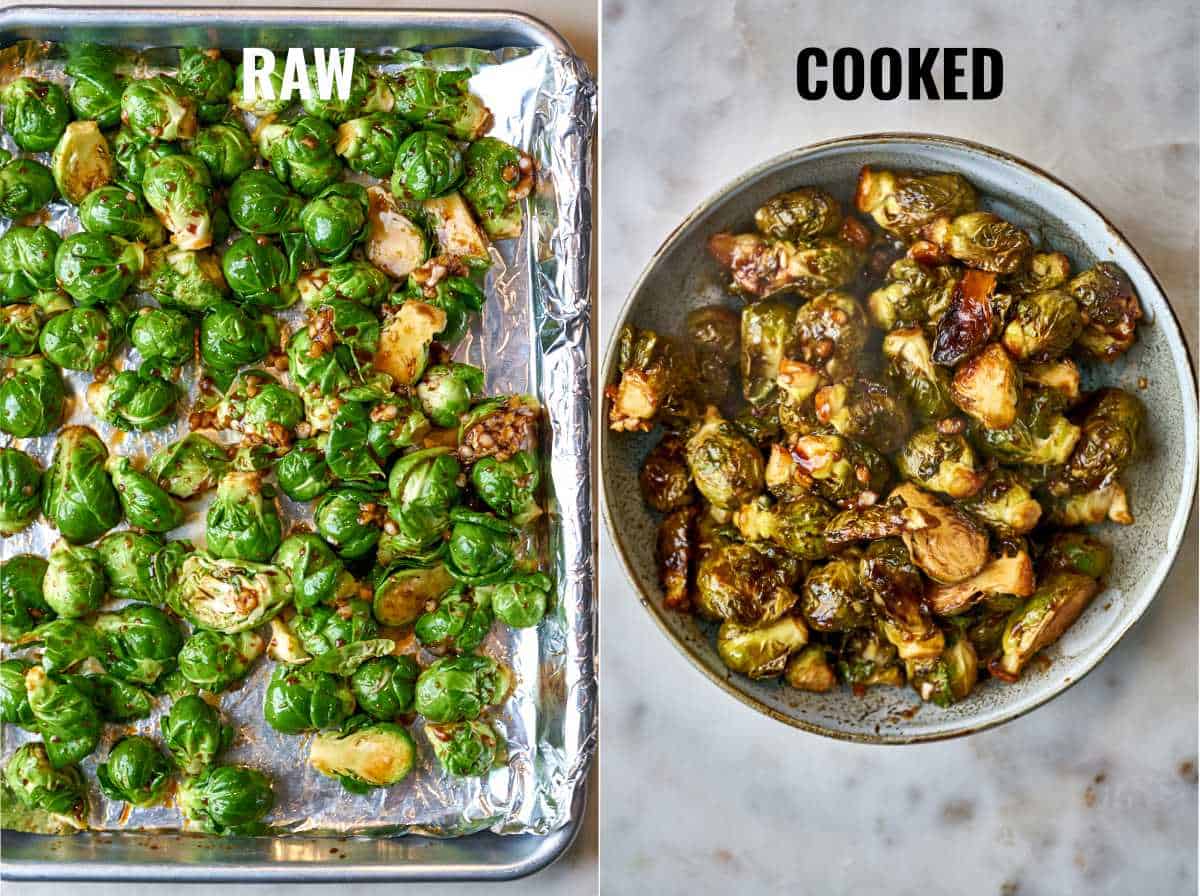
533	336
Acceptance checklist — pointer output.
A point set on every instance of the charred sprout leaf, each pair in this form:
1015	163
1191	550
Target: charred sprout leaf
498	177
78	497
300	699
426	96
364	754
136	772
466	749
20	490
194	734
761	651
39	785
385	686
65	715
1106	297
966	325
96	267
228	596
227	799
458	689
133	400
214	661
895	585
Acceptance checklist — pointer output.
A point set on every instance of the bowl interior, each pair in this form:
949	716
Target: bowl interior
682	276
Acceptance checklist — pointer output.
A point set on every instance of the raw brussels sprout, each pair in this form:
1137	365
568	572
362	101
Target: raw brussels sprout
27	260
22	603
797	526
128	559
833	598
119	211
458	689
232	337
194	734
82	161
136	772
726	467
258	203
228	596
214	661
190	466
365	754
227	799
425	96
903	203
301	154
77	496
982	240
914	294
158	109
809	670
428	164
135	154
468	749
405	339
318	576
385	686
65	644
300	699
941	462
116	699
799	214
404	592
65	715
346	453
459	623
760	651
1108	442
763	267
830	333
1043	326
498	177
208	78
257	104
358	281
445	283
26	185
447	390
766	340
14	701
370	144
20	326
334	221
140	642
1040	621
164	337
424	486
1106	297
133	400
95	92
1039	435
38	784
188	281
79	339
456	232
740	582
74	583
259	273
225	149
179	189
348	518
987	387
335	109
302	473
396	422
481	549
96	267
509	487
242	522
322	629
20	490
35	113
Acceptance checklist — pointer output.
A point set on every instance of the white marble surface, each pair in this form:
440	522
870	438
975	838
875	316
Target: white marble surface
1094	793
574	874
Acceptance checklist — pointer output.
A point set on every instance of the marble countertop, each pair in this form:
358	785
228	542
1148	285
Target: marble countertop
1094	793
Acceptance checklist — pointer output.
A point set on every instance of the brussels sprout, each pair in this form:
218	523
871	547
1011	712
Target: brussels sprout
254	102
359	96
1040	621
35	113
14	701
966	326
457	689
260	204
468	749
231	337
726	468
349	519
385	686
322	629
459	623
74	583
194	734
164	337
65	643
833	598
951	547
742	583
903	203
396	422
498	177
445	283
809	670
119	211
941	462
228	596
404	592
424	486
214	661
987	387
370	144
188	281
481	549
95	267
665	480
158	109
119	701
300	699
830	332
227	799
1108	442
135	154
895	586
301	154
20	326
405	341
82	161
950	677
79	339
225	149
1008	576
913	295
20	490
190	466
510	487
26	185
179	190
799	214
763	267
208	78
1039	435
242	522
140	642
982	240
456	231
840	470
38	784
133	400
428	164
1106	298
27	260
364	754
355	280
347	453
913	373
766	340
1043	325
334	220
65	716
303	473
95	92
128	559
864	410
259	273
426	96
797	526
318	576
447	390
1076	552
1005	504
78	497
136	772
760	651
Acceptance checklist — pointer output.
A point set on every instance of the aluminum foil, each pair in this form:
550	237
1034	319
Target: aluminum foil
533	336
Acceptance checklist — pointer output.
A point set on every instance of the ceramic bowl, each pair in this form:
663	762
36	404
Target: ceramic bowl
682	276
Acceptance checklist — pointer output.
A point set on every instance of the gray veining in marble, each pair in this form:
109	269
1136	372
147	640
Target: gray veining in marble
1094	793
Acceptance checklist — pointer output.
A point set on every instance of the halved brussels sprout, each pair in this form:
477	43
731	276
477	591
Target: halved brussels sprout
762	267
725	466
498	177
481	549
136	772
404	592
895	586
227	799
394	244
79	339
949	551
65	715
20	490
1076	552
809	670
190	466
941	461
27	260
840	470
318	576
35	113
1058	601
370	144
902	203
226	595
797	526
987	387
140	642
459	623
761	651
74	583
133	400
119	211
652	381
405	341
359	281
1107	299
948	678
77	496
39	785
82	161
195	735
214	661
456	231
865	411
866	659
158	109
445	282
1010	574
364	754
426	96
208	77
428	164
457	689
260	204
385	686
179	189
967	324
95	267
300	699
128	559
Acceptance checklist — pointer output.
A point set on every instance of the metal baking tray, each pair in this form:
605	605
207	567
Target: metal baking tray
552	260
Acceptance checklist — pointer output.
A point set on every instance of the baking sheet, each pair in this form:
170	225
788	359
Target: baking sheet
533	336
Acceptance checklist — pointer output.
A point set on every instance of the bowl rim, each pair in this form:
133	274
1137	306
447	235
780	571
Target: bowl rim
1179	523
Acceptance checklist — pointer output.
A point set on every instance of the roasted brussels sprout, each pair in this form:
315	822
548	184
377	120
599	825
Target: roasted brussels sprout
742	583
227	799
179	190
840	470
948	678
652	382
498	177
208	78
1106	298
457	689
82	161
987	387
982	240
301	154
350	519
74	583
941	462
136	772
895	586
406	589
912	371
300	699
766	339
190	466
371	143
762	267
760	651
799	214
96	267
797	526
214	661
866	659
809	670
726	468
20	490
242	522
426	96
833	598
830	332
194	734
35	113
14	701
65	716
133	400
914	294
1043	326
865	411
1108	442
966	326
364	754
1005	503
40	785
27	260
78	497
260	204
78	339
1040	621
228	596
232	337
26	185
904	203
1039	435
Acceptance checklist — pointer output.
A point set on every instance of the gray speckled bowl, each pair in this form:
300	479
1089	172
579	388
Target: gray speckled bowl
681	276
